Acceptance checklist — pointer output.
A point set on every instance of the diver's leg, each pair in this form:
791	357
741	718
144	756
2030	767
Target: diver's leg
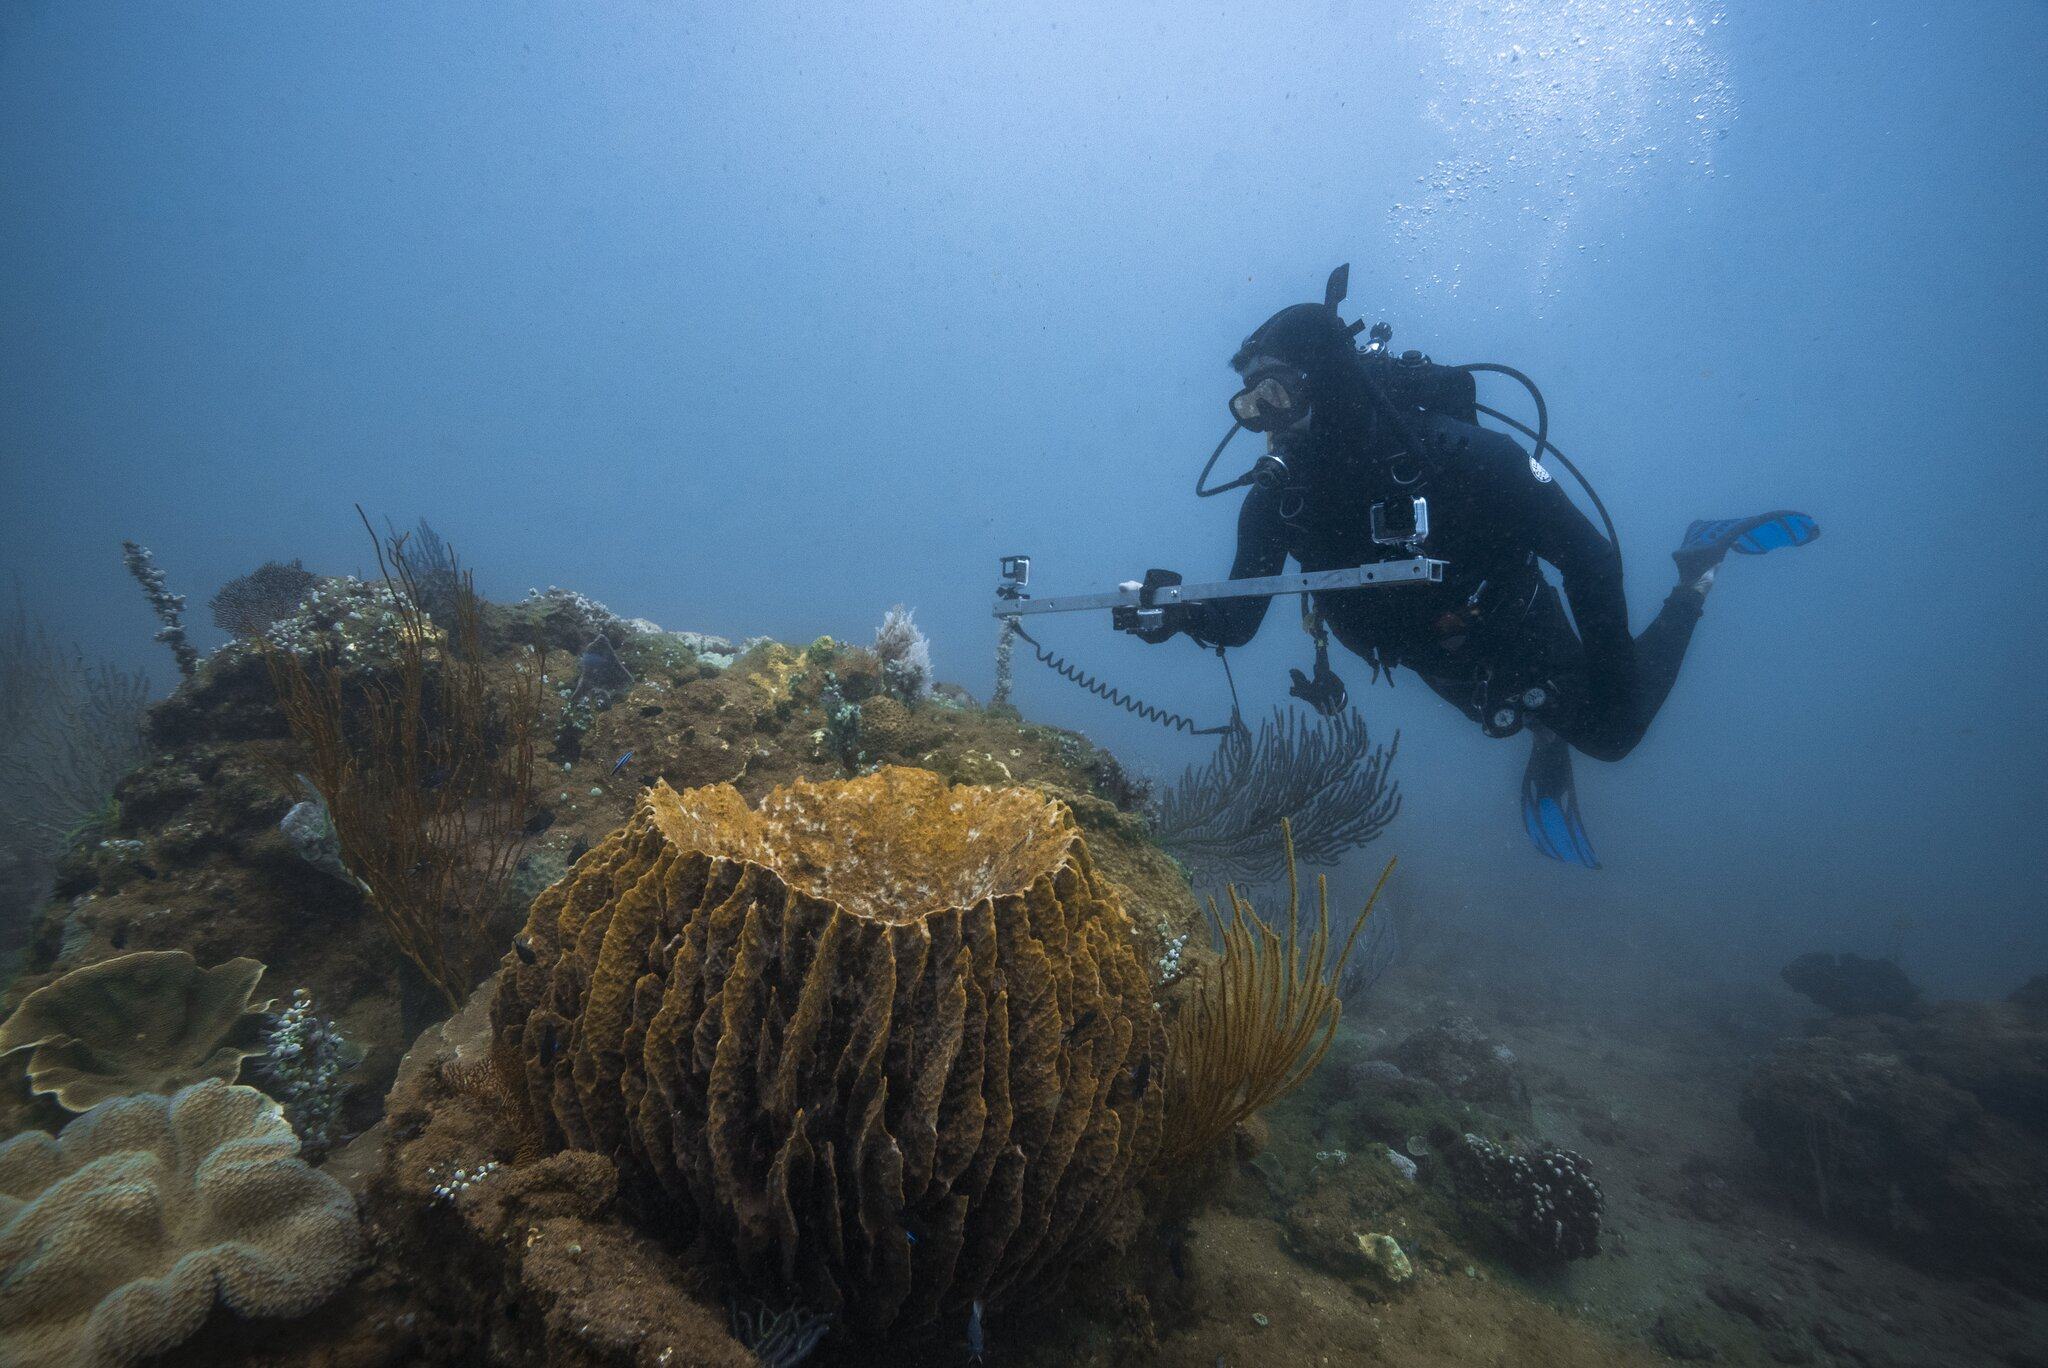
1660	647
1606	718
1660	650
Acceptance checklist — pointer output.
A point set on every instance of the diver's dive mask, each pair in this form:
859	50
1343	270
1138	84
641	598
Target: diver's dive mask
1275	396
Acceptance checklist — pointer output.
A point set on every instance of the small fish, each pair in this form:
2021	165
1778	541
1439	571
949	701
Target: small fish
524	950
1081	1023
975	1346
540	821
435	777
621	763
651	710
578	850
1131	1088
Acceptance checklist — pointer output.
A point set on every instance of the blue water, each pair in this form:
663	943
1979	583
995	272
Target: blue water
759	319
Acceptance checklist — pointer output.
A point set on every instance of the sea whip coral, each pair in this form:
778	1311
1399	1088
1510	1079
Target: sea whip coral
169	607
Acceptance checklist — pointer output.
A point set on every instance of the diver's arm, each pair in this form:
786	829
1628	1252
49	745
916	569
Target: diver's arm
1261	550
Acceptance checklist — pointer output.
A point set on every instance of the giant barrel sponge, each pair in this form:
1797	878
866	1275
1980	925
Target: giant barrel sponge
884	1040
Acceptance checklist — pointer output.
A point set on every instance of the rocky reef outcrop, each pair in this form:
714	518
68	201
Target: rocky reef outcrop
883	1040
536	1264
1851	985
1466	1064
1929	1133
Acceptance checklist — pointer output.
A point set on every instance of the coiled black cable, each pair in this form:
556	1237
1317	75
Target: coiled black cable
1138	707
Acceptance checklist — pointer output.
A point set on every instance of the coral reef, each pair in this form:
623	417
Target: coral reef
310	830
194	858
118	1236
906	655
884	1040
168	607
1849	985
248	605
301	1065
150	1021
1259	1022
538	1267
885	726
1324	778
1542	1205
569	619
426	772
1929	1134
600	678
1462	1060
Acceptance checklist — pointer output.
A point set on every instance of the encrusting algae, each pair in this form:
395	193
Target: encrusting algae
884	1039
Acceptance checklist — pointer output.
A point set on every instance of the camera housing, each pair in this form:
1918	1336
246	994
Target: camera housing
1400	522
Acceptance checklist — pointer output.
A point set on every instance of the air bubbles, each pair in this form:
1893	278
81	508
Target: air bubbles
1559	101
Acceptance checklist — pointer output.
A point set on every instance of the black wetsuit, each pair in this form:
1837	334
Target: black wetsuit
1495	628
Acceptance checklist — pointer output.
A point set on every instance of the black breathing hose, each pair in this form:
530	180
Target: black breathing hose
1540	435
1237	483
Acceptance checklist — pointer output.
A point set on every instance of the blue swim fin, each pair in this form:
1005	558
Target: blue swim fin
1550	803
1708	540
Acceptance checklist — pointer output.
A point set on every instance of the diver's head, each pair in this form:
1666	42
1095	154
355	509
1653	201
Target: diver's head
1310	337
1301	378
1293	361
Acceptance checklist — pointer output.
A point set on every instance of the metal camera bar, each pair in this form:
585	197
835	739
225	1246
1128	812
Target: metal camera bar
1138	604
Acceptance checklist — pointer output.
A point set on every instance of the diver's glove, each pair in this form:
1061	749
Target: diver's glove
1325	693
1163	622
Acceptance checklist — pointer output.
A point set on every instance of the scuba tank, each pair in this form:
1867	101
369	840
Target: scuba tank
1417	385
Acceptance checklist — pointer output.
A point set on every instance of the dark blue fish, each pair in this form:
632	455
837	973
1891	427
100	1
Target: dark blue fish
975	1346
621	763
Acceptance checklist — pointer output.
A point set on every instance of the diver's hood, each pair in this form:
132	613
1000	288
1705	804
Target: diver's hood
1311	337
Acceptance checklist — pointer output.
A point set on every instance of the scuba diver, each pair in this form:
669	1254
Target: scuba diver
1367	451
